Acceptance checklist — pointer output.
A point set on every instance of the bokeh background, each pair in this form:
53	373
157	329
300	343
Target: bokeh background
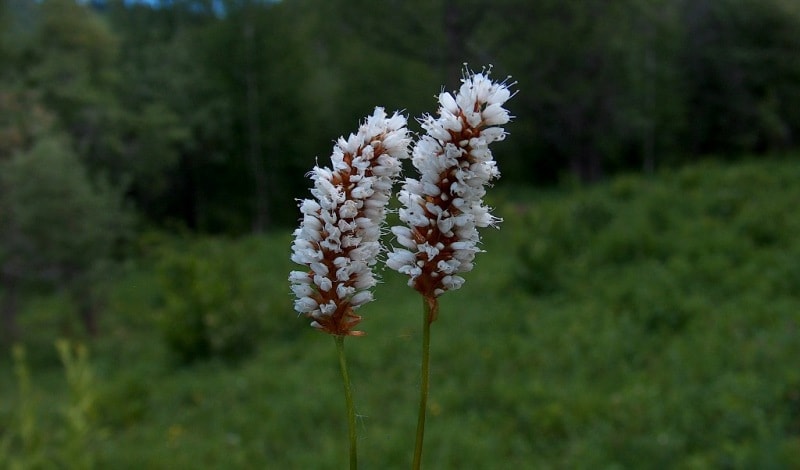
639	307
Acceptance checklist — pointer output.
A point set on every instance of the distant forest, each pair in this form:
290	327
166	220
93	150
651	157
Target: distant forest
205	115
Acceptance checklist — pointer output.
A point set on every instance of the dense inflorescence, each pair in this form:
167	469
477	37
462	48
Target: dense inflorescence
338	238
443	209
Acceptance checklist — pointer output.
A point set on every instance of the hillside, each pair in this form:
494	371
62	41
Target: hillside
643	323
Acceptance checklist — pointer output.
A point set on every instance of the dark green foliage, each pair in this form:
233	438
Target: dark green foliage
58	222
604	94
684	225
208	114
209	307
70	61
677	352
59	229
677	296
124	402
25	120
648	322
741	82
25	443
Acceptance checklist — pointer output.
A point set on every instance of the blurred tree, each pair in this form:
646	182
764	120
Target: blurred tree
650	111
208	113
24	119
599	80
246	115
254	58
56	227
71	60
742	70
23	116
159	95
74	62
435	33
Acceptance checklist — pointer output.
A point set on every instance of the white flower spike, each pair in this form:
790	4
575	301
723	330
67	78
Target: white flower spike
443	209
338	238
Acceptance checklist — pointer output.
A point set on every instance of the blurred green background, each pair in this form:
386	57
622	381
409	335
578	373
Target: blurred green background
639	307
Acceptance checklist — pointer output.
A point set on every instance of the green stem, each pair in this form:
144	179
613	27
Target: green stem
430	307
348	396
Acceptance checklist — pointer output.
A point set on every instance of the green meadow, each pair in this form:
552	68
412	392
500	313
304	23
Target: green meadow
648	322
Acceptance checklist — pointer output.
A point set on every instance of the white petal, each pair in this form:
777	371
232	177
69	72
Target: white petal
361	298
448	102
399	258
302	290
299	277
305	305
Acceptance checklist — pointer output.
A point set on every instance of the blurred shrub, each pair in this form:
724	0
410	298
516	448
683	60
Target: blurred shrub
32	442
701	226
21	445
79	412
209	305
555	232
123	402
59	226
676	297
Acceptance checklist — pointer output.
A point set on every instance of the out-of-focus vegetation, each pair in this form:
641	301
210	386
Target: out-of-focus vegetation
207	114
211	305
150	158
641	323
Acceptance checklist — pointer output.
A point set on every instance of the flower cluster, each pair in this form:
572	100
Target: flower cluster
338	239
443	208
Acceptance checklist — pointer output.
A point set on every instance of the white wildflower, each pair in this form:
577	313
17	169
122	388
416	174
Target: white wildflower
338	238
443	209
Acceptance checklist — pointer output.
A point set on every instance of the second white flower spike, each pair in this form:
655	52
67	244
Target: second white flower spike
443	209
338	238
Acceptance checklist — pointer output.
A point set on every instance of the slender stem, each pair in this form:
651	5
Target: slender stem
430	307
348	396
